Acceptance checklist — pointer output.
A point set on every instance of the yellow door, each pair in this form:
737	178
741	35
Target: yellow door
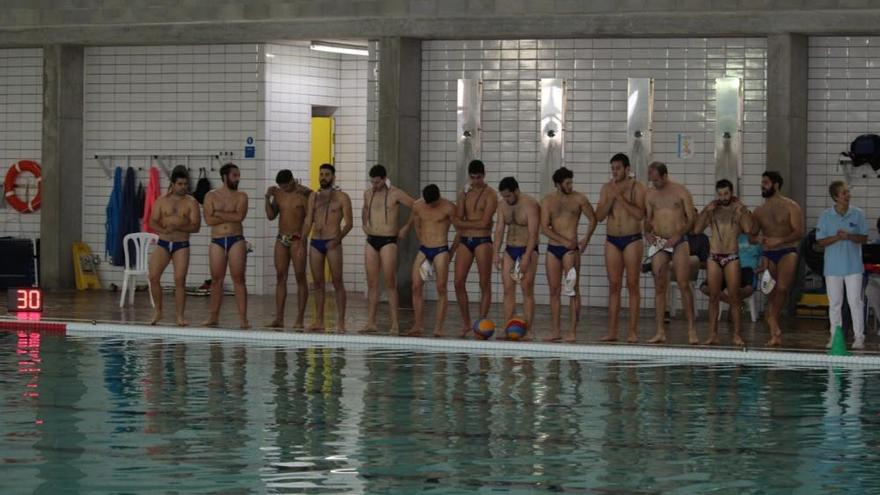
321	152
322	147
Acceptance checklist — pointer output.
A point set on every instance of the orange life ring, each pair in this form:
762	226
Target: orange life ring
9	186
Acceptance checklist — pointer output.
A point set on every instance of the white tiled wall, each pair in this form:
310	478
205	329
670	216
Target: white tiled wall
844	102
373	103
169	100
204	100
21	116
596	72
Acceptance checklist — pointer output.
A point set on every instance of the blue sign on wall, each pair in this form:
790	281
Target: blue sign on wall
250	151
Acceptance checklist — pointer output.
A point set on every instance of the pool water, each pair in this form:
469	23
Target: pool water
114	415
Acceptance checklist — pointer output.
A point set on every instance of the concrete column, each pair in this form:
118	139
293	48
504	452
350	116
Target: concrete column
399	133
787	61
61	211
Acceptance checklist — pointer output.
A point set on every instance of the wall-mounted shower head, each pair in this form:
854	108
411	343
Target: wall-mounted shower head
726	135
638	134
467	134
551	133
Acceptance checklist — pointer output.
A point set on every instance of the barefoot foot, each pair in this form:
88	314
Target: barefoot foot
276	323
414	332
632	338
316	326
571	338
368	328
738	341
611	337
556	337
210	322
182	322
660	338
156	317
712	340
245	324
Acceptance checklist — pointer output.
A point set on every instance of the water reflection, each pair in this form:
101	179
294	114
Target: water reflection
128	416
60	444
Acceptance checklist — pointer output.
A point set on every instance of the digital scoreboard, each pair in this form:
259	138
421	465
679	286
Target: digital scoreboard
24	300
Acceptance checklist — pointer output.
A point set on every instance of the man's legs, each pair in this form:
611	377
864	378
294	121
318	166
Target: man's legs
159	259
418	297
614	268
785	272
217	263
683	271
528	288
316	263
484	269
660	270
441	270
714	278
298	254
388	255
334	259
509	287
571	260
181	267
632	258
372	261
553	267
856	307
733	277
282	268
463	261
237	265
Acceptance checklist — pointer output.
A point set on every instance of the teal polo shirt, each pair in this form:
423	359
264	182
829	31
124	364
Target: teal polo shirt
749	254
843	257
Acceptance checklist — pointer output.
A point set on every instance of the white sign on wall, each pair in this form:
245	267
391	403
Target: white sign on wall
685	146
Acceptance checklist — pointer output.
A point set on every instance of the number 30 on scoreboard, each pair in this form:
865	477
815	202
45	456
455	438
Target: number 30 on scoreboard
24	300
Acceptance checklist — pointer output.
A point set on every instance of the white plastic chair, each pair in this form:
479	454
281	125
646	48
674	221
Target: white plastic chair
752	301
142	242
673	293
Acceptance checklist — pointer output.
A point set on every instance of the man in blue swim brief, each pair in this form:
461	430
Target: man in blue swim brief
225	210
519	215
669	216
778	228
561	212
622	203
175	215
431	218
475	211
327	210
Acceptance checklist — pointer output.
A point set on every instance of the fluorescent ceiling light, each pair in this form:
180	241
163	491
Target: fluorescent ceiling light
324	46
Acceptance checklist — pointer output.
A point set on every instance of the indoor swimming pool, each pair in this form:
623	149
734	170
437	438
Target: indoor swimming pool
121	414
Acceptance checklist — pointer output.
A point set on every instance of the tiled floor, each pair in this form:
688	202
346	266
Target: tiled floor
799	334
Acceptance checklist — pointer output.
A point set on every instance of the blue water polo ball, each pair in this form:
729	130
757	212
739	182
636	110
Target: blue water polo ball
515	329
483	328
